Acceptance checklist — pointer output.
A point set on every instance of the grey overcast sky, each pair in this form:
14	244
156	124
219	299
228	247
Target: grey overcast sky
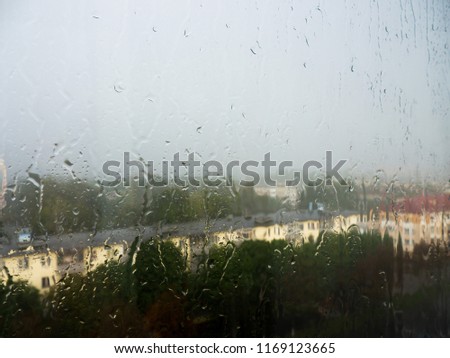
85	81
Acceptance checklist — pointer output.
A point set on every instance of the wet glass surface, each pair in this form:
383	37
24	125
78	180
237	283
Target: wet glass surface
224	169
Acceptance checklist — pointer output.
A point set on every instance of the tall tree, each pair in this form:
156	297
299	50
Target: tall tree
159	267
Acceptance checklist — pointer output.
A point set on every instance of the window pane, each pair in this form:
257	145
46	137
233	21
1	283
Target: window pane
264	169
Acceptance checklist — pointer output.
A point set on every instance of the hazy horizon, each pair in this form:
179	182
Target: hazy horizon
83	84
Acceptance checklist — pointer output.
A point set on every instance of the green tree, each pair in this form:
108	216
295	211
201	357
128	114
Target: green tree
20	310
99	304
70	206
240	288
169	205
159	267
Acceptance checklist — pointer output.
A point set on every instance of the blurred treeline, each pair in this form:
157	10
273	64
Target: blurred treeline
55	205
51	206
343	285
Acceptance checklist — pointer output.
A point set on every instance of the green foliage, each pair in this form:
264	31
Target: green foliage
54	206
169	205
68	207
159	267
123	206
20	310
243	284
337	197
175	205
252	203
354	277
97	304
336	287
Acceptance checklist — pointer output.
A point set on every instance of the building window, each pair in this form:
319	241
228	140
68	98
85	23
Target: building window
45	282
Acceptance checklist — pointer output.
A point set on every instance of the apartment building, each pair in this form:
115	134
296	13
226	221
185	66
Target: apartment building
425	218
36	268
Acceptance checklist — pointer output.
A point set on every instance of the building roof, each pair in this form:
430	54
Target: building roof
420	204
